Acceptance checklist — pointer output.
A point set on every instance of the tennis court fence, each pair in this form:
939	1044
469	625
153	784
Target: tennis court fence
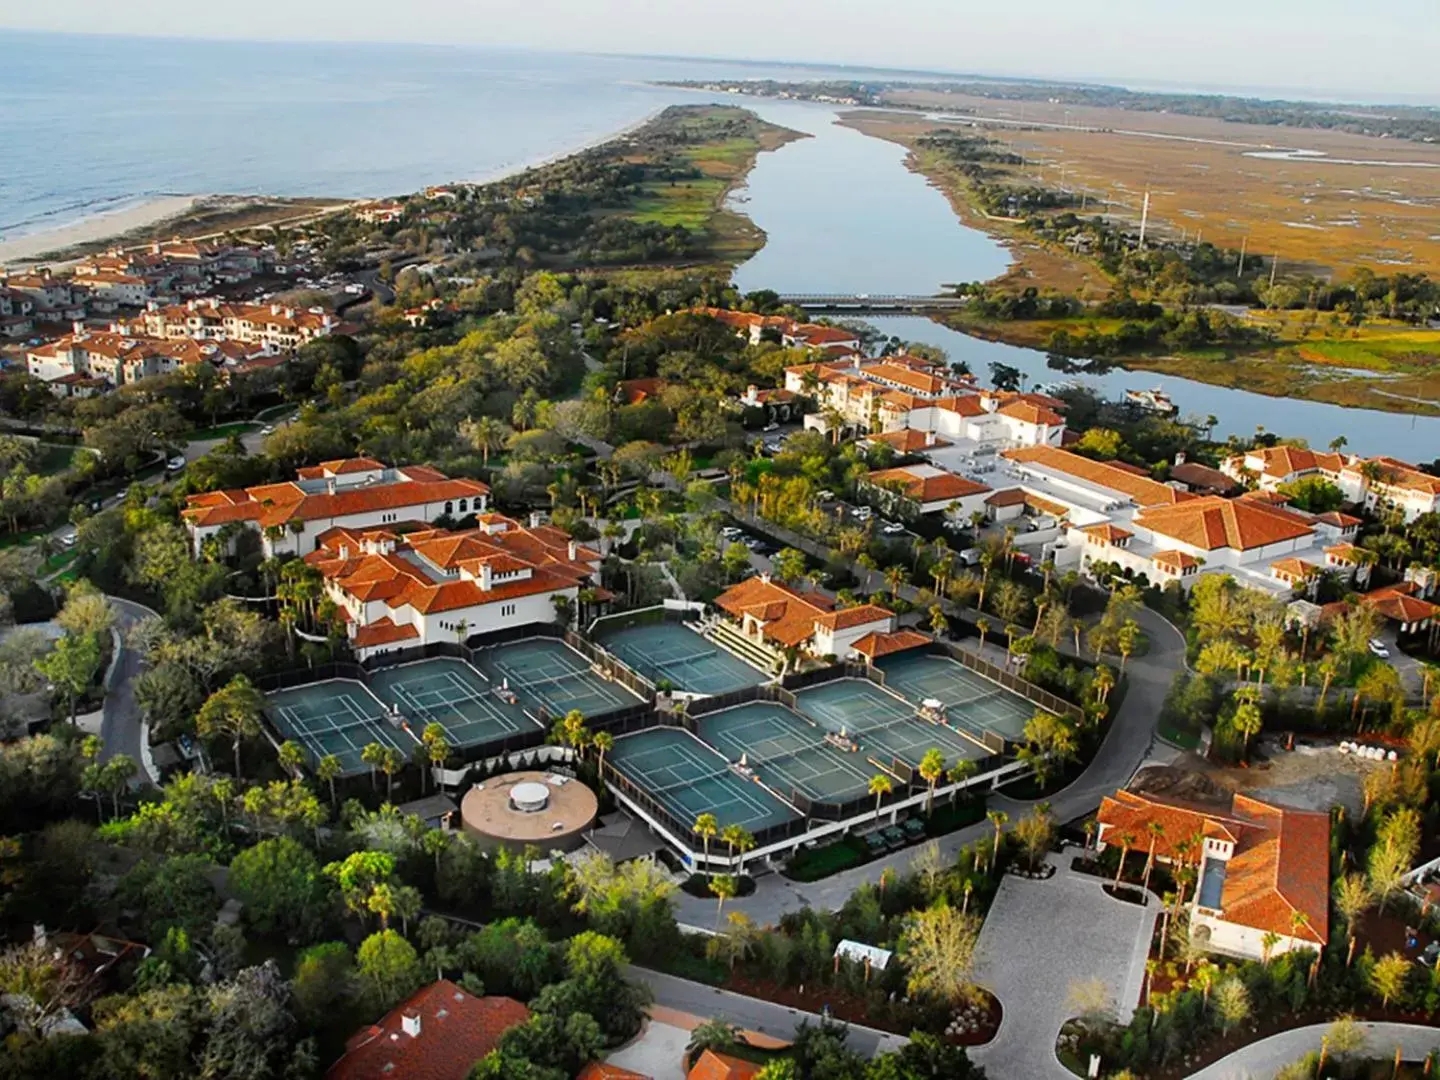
1051	703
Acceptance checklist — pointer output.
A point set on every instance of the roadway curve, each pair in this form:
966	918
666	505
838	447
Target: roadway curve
122	726
1261	1060
1126	745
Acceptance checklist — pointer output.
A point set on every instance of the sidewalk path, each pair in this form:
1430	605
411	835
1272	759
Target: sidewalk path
122	724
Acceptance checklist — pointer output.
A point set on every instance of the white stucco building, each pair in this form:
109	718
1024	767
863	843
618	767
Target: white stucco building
776	617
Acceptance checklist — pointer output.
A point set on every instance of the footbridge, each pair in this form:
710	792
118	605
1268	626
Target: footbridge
873	303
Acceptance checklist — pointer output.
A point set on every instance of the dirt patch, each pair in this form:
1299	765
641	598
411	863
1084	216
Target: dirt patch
1313	776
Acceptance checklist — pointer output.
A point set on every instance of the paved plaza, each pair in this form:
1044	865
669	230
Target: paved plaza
1039	938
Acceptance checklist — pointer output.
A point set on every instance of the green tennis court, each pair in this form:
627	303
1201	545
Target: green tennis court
884	725
971	700
689	778
550	674
454	695
340	717
787	751
667	650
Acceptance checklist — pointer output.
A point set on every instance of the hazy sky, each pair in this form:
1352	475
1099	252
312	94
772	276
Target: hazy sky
1311	45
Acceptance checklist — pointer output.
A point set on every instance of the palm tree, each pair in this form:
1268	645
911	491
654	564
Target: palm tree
1353	897
706	827
958	773
291	755
604	742
1125	840
744	842
724	886
327	769
983	627
932	767
880	786
1156	832
391	762
436	744
998	818
373	755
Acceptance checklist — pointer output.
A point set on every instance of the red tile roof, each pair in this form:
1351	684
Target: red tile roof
1030	413
1195	475
1395	602
715	1066
875	645
456	1031
909	440
1143	490
1176	560
1210	523
1281	461
1293	569
599	1070
1107	532
1281	862
383	631
790	617
940	487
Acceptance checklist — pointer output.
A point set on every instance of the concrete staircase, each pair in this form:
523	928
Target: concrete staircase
732	640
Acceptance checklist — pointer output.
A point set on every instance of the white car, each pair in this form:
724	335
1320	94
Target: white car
862	512
268	429
825	496
893	528
1379	648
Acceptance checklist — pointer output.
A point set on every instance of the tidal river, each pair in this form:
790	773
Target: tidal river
844	215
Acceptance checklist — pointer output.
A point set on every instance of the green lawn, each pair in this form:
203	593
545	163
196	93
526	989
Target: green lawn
52	459
59	561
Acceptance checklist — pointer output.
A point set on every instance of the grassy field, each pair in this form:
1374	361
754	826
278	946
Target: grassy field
721	143
1367	201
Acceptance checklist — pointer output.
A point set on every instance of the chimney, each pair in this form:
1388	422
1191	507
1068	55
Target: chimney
929	438
274	309
751	393
1179	457
78	327
765	576
574	551
344	551
330	485
410	1025
486	576
534	519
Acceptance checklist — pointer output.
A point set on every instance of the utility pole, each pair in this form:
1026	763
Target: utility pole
1144	218
1274	266
1240	270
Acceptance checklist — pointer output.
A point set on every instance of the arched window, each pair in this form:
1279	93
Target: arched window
462	506
449	508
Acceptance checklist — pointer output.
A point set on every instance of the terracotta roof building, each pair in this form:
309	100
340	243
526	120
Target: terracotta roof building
933	490
357	493
1391	484
776	617
712	1065
1202	479
1212	523
437	1033
437	585
600	1070
1140	490
1263	868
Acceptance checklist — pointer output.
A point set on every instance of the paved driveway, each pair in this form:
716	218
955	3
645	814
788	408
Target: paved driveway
1261	1060
1039	938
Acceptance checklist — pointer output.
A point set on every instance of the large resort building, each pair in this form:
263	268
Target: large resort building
398	591
774	618
1375	483
354	493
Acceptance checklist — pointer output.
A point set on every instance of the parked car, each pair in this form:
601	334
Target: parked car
825	495
1379	648
892	528
175	464
67	538
970	557
772	426
864	513
268	429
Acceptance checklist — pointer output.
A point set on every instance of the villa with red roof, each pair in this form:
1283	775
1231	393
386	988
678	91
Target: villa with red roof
437	1033
1263	868
399	590
778	617
353	493
932	489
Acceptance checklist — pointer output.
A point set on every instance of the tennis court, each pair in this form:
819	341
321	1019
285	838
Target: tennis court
667	650
787	751
554	676
884	725
340	717
971	700
454	695
689	778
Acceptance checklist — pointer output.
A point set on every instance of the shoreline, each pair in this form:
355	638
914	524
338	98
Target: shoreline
95	228
26	249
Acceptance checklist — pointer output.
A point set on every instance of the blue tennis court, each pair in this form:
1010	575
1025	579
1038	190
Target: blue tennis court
971	700
667	651
454	695
689	778
787	751
338	716
884	724
550	674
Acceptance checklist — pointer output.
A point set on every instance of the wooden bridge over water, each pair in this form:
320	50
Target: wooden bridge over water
863	303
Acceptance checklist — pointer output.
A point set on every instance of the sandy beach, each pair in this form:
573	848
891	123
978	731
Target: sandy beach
100	227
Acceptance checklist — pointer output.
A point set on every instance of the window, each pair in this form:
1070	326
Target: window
449	508
462	506
507	609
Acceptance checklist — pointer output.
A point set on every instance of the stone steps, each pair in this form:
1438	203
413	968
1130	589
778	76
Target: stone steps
732	640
